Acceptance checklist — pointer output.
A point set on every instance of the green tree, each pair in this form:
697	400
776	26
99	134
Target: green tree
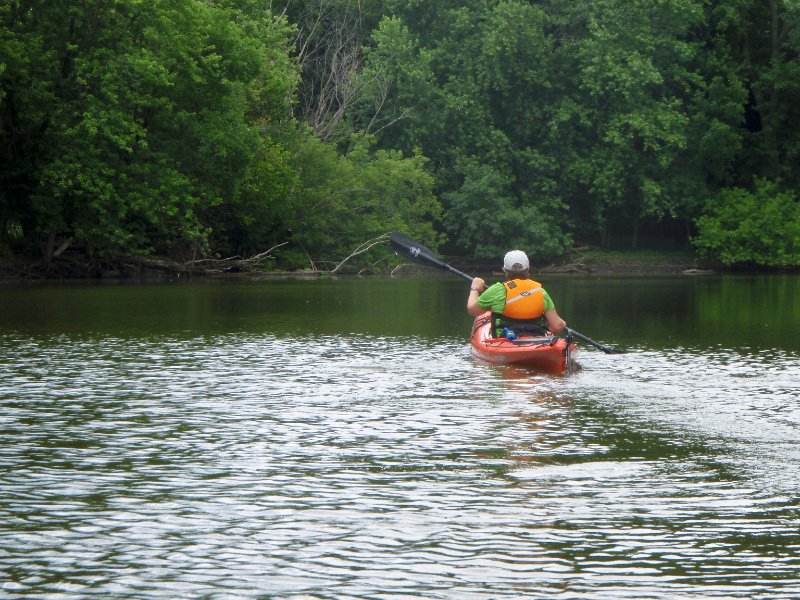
489	219
628	114
634	73
478	93
752	228
342	200
763	40
398	91
129	126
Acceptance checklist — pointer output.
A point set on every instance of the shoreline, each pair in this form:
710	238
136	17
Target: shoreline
588	264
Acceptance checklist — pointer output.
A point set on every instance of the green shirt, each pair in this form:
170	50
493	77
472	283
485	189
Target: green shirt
494	299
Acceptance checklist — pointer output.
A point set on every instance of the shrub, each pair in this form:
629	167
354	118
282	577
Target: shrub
760	227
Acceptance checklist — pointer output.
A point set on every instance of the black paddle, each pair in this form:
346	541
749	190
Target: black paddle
407	247
599	346
418	253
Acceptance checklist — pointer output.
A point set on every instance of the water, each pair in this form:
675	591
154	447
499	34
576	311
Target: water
335	439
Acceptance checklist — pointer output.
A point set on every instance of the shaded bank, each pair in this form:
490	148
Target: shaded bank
597	262
581	263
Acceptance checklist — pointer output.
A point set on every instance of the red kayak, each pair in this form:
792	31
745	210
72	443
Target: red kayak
547	353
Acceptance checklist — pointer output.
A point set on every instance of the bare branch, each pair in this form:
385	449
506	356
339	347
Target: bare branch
331	196
373	265
381	239
234	261
399	117
205	266
62	247
330	53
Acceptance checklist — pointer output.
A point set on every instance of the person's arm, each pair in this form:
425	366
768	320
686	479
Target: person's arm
473	308
554	322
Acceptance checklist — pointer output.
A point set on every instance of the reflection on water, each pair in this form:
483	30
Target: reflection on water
239	459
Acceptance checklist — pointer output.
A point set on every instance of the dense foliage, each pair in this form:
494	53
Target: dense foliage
167	127
197	128
760	228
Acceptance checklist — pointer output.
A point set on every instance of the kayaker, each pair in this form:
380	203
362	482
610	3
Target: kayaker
519	303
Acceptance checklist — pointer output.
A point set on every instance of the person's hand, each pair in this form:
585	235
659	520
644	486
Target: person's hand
478	285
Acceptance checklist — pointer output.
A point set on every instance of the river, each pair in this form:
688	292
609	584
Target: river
336	439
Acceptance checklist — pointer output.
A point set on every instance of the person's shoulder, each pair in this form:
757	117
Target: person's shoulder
496	287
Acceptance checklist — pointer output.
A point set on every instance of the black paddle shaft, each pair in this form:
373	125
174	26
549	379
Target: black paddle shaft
418	253
603	347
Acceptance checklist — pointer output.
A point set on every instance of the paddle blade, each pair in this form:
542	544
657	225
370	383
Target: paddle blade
413	250
418	253
609	349
591	342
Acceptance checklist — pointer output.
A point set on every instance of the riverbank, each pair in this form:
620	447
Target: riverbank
593	262
585	262
597	262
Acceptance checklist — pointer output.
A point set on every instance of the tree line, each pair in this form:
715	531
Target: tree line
207	129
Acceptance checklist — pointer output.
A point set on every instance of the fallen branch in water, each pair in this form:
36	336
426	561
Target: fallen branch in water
234	262
205	266
576	266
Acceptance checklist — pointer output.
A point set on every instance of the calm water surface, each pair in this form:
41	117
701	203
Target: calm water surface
336	439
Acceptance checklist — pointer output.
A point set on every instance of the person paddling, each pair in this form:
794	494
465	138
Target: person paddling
520	303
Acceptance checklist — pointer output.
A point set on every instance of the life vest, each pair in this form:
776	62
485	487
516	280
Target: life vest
524	299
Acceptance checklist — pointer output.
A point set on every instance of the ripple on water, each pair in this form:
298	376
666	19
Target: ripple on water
244	466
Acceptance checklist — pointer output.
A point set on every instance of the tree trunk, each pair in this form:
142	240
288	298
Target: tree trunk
48	249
